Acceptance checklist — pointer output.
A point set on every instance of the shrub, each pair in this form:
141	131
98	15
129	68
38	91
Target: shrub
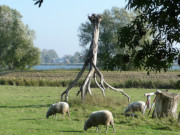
2	81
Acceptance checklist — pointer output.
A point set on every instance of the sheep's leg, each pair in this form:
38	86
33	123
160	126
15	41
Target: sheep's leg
55	116
97	129
62	116
106	128
113	128
68	113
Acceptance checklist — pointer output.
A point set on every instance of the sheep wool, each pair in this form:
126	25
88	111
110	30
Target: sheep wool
60	107
135	106
103	117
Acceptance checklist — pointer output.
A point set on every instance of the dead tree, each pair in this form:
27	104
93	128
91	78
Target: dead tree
166	104
93	70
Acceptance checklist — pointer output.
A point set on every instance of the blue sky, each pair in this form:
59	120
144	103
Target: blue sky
57	21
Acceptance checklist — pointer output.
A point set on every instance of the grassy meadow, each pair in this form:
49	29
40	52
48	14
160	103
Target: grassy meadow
61	78
23	110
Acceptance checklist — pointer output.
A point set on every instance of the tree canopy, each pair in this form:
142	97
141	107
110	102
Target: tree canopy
161	19
16	41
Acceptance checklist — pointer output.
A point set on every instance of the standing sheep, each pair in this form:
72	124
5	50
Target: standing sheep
103	117
60	107
135	106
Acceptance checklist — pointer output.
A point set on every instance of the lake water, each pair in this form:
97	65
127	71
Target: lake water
175	67
50	67
74	66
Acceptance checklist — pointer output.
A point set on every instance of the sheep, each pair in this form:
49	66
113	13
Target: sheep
103	117
135	106
60	107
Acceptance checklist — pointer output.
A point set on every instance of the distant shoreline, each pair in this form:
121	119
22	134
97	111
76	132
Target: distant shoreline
61	64
76	66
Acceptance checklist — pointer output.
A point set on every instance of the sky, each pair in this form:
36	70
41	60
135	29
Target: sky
56	22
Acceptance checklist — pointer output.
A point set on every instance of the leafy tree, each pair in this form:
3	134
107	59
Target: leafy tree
111	21
159	18
16	41
48	55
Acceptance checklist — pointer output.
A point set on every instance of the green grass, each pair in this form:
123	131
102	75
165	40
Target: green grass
62	78
23	110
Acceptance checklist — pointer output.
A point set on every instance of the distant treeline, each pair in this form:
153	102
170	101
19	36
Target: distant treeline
51	57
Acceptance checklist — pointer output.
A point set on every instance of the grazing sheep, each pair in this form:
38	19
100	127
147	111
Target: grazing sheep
60	107
135	106
103	117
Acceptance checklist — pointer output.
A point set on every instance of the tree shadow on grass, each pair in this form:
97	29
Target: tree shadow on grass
64	131
163	128
31	119
71	131
26	106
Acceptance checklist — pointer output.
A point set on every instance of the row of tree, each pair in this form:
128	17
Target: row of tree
50	56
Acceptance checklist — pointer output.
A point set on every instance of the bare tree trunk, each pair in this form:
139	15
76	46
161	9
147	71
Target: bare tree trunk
166	104
93	72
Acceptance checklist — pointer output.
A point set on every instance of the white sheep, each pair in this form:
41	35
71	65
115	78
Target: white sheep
103	117
60	107
135	106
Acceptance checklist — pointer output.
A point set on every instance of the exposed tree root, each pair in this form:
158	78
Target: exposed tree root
85	88
103	81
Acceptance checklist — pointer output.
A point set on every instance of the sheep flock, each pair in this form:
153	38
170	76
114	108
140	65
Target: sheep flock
96	118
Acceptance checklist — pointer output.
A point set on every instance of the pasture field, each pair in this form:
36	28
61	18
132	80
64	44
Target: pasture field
23	110
119	79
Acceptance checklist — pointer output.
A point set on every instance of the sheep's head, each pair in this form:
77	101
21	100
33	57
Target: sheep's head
87	125
49	113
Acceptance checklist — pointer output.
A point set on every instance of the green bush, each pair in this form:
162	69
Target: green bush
2	81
